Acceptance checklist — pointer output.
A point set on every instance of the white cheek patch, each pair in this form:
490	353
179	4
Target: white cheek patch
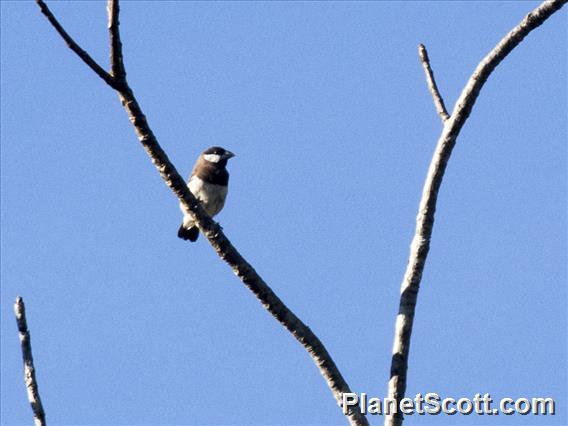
212	158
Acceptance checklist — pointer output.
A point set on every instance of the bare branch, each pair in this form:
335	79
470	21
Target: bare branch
91	63
116	58
425	219
242	269
212	231
29	370
438	101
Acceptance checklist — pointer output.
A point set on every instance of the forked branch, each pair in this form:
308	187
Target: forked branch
85	57
210	229
29	369
425	219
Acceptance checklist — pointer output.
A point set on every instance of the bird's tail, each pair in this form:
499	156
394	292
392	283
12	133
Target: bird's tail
190	234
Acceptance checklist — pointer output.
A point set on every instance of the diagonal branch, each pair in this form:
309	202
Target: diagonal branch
425	219
91	63
29	369
438	101
210	229
237	262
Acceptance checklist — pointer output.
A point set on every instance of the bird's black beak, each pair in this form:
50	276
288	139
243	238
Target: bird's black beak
228	154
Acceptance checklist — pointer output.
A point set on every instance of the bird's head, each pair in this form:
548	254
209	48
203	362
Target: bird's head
217	155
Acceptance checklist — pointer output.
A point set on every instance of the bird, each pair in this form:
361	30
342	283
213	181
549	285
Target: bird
209	183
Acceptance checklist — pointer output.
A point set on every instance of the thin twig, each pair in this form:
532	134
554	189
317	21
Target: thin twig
425	219
29	369
116	58
438	101
213	232
91	63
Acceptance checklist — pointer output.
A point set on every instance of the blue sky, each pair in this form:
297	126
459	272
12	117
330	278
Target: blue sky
326	107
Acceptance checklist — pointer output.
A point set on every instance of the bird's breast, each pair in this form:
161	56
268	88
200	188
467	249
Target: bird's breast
212	196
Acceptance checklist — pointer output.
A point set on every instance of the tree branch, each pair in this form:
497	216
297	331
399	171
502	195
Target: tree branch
438	101
85	57
425	219
210	229
116	58
29	369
